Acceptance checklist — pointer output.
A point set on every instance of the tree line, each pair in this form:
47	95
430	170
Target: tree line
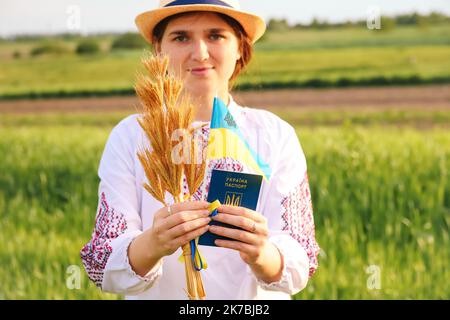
410	19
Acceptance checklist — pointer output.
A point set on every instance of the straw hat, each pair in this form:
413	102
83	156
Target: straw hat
253	25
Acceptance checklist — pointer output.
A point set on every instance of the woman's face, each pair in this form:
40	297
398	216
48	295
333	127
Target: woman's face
203	50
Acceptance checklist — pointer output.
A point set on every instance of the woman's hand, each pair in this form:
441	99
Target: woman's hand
252	242
171	230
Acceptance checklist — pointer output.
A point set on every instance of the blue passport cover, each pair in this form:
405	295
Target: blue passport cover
231	188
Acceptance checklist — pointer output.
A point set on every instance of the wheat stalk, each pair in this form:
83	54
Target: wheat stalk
164	110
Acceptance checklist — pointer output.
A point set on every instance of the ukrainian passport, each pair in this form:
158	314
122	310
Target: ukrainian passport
231	188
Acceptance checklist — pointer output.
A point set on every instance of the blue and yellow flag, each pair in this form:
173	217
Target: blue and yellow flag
226	140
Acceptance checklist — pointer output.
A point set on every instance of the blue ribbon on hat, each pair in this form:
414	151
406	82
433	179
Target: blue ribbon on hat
188	2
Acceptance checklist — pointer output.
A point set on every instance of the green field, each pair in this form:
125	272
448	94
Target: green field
435	35
309	58
380	187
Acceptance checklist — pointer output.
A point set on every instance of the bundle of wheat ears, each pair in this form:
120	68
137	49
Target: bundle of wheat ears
164	109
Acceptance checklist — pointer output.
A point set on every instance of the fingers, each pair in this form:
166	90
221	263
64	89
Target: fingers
183	206
189	205
187	227
239	235
242	222
182	217
243	212
182	240
235	245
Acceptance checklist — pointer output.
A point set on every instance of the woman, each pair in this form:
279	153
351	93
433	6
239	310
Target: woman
135	246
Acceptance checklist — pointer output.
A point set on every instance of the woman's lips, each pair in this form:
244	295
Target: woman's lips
200	71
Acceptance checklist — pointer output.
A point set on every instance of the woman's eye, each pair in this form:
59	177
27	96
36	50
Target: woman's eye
216	37
180	39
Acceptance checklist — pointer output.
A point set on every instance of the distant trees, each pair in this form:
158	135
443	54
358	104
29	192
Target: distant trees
82	45
87	47
417	19
129	41
278	25
50	47
387	22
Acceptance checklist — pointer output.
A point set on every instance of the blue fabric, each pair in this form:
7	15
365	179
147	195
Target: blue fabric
193	253
222	118
188	2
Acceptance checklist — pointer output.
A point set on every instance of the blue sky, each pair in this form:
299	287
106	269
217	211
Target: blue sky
90	16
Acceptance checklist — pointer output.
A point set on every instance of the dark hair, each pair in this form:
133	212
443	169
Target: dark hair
245	44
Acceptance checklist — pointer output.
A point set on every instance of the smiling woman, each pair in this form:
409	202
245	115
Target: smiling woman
244	42
135	245
201	47
204	50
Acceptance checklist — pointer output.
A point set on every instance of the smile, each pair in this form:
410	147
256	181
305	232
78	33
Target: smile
200	71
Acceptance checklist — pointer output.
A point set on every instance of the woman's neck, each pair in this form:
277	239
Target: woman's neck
204	105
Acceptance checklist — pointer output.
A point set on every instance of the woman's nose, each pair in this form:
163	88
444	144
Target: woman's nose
200	50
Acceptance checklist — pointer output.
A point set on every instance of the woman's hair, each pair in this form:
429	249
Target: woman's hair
245	44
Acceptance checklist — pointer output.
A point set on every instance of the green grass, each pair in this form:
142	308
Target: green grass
117	71
69	73
355	37
371	116
284	66
47	194
381	196
339	57
304	117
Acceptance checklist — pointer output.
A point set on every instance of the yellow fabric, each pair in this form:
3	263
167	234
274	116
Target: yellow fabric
224	143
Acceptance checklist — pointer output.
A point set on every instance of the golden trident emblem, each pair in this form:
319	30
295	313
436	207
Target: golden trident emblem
233	199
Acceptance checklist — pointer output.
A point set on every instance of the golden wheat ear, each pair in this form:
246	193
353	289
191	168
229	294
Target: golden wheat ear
165	109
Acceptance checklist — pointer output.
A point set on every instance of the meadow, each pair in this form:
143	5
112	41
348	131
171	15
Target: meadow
300	58
379	179
380	188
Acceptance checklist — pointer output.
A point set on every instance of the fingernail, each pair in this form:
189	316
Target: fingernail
205	212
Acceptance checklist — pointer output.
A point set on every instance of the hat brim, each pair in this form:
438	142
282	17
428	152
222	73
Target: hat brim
253	25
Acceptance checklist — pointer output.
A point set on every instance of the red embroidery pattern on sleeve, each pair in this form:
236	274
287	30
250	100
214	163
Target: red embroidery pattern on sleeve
299	221
109	224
